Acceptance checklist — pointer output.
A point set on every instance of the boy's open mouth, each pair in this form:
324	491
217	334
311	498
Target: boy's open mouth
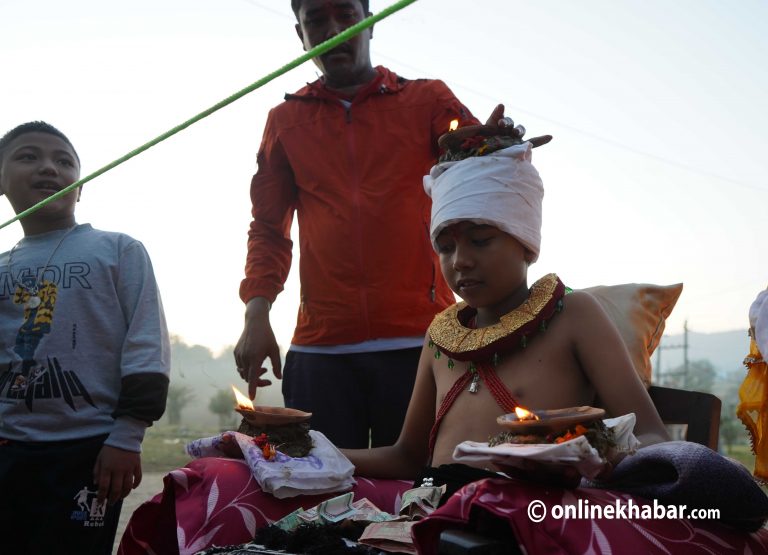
468	283
49	186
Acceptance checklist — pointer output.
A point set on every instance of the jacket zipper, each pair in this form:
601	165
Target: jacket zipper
356	196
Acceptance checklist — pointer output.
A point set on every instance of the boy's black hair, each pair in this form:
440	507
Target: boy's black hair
296	6
32	127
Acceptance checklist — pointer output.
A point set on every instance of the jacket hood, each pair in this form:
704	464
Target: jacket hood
386	81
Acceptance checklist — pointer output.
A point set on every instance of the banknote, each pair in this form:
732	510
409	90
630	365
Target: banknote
310	515
291	521
366	511
392	537
417	503
336	509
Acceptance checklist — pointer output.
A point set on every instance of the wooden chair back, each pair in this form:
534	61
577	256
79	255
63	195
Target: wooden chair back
699	411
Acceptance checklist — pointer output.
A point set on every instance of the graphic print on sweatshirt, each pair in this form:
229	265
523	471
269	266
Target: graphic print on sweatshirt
30	378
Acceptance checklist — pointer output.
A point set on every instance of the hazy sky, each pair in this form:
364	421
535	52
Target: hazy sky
656	173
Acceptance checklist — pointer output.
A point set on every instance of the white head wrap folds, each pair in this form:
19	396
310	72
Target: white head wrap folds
758	320
502	189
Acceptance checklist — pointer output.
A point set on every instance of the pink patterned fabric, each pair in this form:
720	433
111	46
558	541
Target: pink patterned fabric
509	500
216	501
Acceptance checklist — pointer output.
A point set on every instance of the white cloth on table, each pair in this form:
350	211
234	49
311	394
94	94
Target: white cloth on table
324	470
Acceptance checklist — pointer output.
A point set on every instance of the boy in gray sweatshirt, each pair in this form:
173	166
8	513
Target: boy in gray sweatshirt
84	359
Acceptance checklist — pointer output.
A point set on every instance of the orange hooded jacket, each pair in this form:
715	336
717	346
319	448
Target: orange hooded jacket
353	175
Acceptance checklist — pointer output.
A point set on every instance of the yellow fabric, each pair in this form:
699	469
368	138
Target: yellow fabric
753	407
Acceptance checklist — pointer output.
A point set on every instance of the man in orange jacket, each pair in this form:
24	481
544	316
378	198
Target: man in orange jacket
347	153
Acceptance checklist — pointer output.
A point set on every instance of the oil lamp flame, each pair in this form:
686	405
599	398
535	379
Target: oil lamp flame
454	125
242	401
523	414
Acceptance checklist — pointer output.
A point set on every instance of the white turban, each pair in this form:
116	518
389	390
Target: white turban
502	189
758	319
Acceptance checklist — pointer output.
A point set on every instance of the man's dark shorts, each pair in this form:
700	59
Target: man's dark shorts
353	398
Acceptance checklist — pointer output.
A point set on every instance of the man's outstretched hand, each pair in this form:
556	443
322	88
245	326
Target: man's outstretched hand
497	119
257	343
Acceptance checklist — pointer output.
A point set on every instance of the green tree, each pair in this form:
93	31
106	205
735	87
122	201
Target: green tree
700	375
222	404
732	431
179	397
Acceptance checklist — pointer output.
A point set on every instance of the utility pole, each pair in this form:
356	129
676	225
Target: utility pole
684	346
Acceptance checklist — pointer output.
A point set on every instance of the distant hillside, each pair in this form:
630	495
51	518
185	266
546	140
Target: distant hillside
725	350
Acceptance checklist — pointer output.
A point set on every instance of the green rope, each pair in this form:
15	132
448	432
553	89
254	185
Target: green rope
330	44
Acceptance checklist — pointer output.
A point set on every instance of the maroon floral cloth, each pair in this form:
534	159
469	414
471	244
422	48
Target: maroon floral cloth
509	500
217	501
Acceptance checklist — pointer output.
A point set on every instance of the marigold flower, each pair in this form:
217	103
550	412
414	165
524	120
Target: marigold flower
267	449
579	430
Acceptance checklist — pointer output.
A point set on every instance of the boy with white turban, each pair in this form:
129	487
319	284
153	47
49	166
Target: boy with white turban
507	344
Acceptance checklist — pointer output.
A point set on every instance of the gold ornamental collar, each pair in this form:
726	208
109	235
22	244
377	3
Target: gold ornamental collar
462	343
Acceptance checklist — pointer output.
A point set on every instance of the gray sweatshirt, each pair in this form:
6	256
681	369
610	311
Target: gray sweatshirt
84	347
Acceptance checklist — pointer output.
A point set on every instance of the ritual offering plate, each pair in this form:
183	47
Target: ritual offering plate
585	444
454	139
285	429
546	422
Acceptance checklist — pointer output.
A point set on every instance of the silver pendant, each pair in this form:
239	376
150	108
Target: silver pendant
474	384
32	302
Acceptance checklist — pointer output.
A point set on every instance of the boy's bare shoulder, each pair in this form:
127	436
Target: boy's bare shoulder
581	302
580	308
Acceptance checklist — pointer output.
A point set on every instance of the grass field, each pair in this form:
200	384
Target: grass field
163	447
743	454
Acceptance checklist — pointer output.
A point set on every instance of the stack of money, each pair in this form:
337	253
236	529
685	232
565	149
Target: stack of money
395	536
385	532
335	510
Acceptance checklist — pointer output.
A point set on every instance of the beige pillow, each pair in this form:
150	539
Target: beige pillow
639	311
